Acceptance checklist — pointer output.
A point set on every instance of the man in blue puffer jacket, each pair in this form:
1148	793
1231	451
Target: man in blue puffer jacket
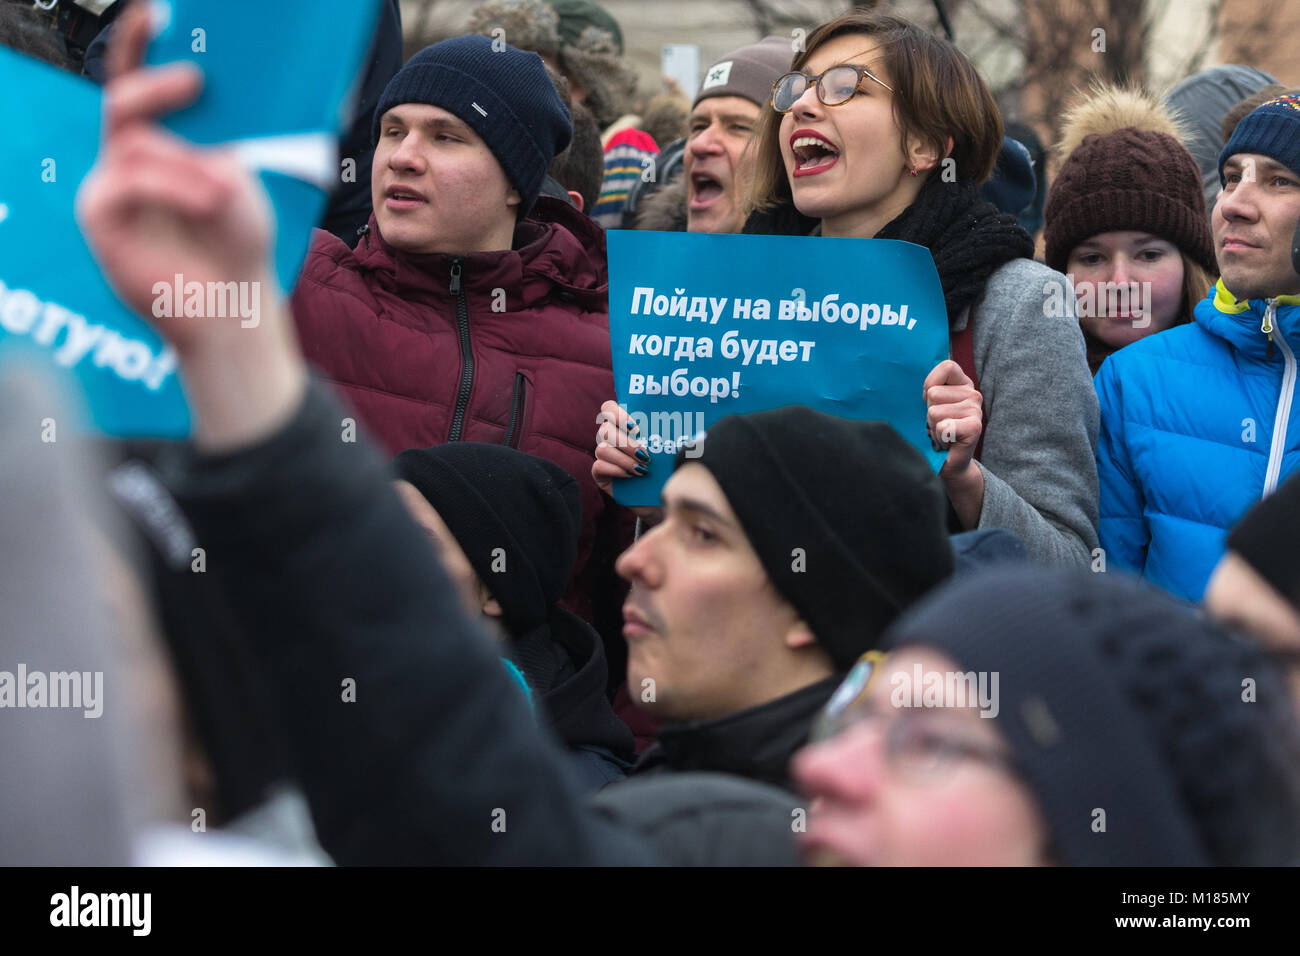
1197	422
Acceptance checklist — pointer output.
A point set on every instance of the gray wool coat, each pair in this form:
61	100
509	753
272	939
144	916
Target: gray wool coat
1040	441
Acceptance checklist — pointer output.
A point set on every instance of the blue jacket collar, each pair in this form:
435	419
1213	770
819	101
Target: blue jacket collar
1241	323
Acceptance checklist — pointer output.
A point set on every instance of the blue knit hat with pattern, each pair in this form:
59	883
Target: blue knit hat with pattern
502	94
1272	129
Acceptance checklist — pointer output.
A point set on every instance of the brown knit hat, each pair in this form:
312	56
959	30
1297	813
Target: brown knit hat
1137	176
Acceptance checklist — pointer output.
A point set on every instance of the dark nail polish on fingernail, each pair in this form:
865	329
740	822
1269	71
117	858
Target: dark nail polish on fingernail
641	453
639	470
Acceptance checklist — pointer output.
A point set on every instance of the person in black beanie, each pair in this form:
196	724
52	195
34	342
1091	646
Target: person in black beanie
506	525
1124	730
770	573
1256	585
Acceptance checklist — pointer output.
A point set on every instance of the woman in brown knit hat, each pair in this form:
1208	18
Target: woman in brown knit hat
1125	219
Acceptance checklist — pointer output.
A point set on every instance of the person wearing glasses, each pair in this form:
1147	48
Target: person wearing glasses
1121	733
884	130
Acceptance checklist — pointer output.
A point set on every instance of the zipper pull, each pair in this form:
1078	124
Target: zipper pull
455	276
1267	326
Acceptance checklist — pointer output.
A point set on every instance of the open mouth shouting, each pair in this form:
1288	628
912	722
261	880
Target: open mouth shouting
705	190
813	152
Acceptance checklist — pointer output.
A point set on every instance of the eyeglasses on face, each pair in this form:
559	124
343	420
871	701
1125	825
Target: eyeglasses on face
912	747
835	87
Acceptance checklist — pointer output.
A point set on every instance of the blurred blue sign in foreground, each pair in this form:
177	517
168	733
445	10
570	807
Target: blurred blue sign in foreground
278	104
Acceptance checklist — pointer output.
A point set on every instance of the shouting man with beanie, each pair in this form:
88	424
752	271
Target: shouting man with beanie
472	309
506	525
715	170
1200	422
769	575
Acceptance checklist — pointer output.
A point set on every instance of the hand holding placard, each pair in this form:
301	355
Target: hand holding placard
620	454
955	422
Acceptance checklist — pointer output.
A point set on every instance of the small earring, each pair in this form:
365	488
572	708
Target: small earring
913	170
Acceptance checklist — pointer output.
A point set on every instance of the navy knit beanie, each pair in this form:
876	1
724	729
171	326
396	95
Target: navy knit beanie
1272	129
1115	697
504	95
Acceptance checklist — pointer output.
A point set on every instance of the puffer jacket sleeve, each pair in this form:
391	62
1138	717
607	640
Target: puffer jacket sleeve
411	743
1124	535
1039	464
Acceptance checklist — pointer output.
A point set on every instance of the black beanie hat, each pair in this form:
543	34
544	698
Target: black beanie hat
491	497
863	505
1266	539
1115	697
506	97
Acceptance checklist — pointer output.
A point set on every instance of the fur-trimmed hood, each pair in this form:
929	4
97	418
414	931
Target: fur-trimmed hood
665	209
587	40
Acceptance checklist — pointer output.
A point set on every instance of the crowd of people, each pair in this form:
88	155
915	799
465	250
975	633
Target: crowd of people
443	642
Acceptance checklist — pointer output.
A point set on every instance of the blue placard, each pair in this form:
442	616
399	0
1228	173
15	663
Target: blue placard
283	68
53	300
277	84
280	102
850	327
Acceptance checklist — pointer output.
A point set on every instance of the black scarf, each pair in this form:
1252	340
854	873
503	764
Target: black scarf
967	236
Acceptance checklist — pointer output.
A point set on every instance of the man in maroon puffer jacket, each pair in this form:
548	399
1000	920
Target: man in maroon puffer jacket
470	309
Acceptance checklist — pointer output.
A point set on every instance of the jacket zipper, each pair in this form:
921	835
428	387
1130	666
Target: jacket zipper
1278	447
517	411
466	355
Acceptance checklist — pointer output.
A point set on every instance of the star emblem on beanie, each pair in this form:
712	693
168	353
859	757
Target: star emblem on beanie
718	76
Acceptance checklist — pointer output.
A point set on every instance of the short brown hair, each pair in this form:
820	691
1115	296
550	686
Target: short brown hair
581	165
937	93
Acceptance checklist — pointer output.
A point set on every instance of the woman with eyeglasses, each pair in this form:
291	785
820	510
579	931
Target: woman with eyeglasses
883	130
1074	719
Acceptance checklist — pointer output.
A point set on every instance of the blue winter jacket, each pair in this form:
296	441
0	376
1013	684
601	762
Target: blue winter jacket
1196	426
